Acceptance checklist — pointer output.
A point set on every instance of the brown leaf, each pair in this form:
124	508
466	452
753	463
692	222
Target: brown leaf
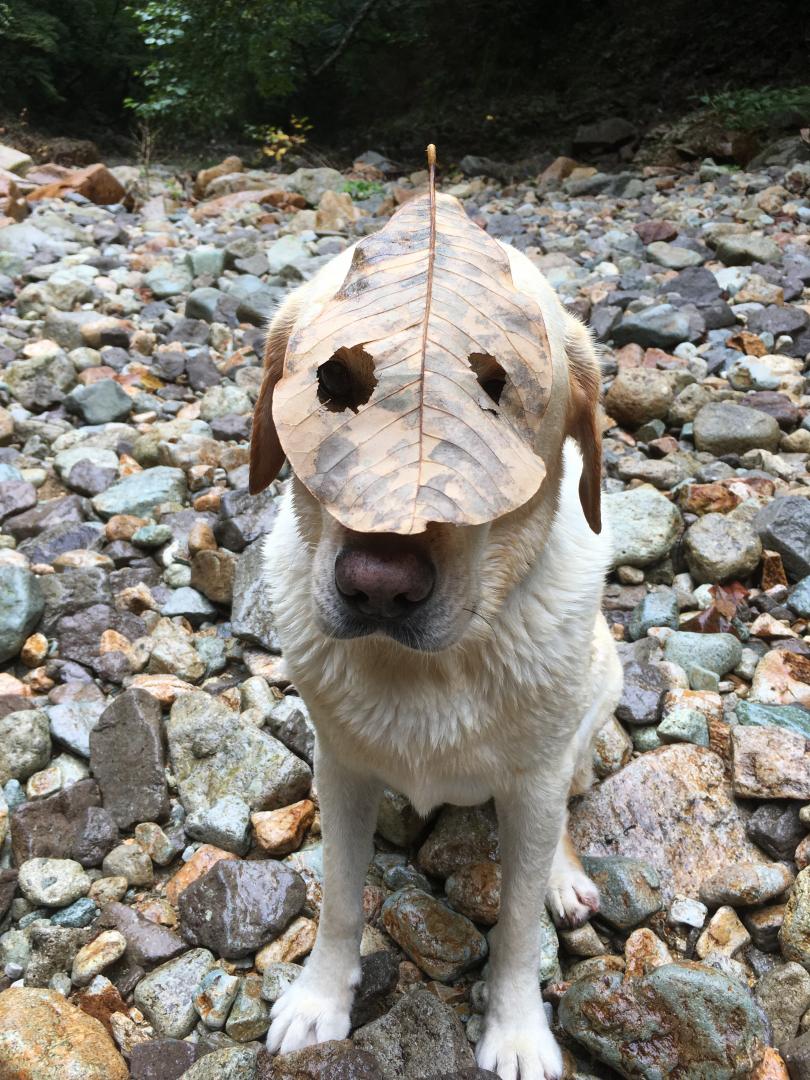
416	393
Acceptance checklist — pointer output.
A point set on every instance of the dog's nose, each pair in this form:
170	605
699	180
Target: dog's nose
384	584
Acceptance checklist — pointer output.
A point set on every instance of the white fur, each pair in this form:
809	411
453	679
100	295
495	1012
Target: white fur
507	712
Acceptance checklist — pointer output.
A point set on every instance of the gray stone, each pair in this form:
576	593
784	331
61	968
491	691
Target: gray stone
719	653
101	402
236	907
72	721
53	882
226	824
189	603
719	548
629	889
250	1016
419	1037
784	526
215	995
658	608
288	720
25	744
168	279
229	1063
166	995
661	326
126	756
215	753
644	525
721	427
251	614
742	249
161	1059
141	492
793	718
21	604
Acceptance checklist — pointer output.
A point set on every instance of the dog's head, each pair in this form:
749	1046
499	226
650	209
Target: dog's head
423	546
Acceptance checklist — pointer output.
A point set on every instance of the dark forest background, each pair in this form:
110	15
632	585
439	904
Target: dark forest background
504	79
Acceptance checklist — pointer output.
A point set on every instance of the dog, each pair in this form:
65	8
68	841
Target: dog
457	664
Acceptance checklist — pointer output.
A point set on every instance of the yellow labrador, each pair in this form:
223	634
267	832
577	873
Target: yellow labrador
454	665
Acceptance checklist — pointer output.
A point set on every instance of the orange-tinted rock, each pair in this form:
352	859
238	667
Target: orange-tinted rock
278	832
782	678
200	863
771	1066
44	1037
231	164
95	183
475	891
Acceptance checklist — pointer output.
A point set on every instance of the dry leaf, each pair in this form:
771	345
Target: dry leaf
416	393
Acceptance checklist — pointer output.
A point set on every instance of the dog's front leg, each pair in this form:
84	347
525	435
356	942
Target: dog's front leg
517	1041
318	1004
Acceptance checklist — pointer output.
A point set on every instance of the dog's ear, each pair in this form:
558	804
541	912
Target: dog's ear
266	453
584	380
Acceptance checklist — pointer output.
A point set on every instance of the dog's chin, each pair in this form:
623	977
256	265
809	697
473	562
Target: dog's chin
418	635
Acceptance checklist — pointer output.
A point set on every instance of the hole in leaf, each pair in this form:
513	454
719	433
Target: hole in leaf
346	380
491	376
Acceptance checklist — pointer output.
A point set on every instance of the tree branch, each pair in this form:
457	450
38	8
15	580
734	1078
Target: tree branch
351	30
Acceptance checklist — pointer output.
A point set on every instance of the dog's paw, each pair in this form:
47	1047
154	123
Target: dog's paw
519	1050
306	1014
571	897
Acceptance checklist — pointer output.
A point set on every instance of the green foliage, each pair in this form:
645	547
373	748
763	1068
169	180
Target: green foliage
363	189
758	109
214	63
59	54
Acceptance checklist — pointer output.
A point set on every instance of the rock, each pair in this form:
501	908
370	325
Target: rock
215	995
721	427
126	756
725	936
332	1060
718	548
226	824
720	653
101	402
215	753
441	942
43	1037
379	974
72	721
661	326
644	525
141	492
212	573
742	249
130	861
658	608
776	828
638	395
21	604
237	907
419	1037
683	1017
794	937
673	257
148	943
746	884
784	526
475	891
165	996
70	823
796	1054
288	720
770	763
644	686
462	835
230	1063
98	954
671	808
53	882
793	718
161	1059
605	134
278	832
25	744
784	994
244	518
629	889
312	183
250	1016
251	613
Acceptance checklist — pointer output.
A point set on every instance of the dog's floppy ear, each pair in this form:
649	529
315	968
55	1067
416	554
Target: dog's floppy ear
266	454
583	418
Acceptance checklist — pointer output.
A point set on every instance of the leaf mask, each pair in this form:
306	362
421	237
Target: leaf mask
416	393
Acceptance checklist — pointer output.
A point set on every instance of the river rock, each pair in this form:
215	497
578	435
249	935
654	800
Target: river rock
719	549
440	941
683	1017
215	753
44	1037
643	523
672	808
166	995
722	427
21	604
770	763
237	907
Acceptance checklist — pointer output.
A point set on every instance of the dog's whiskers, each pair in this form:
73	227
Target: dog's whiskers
472	611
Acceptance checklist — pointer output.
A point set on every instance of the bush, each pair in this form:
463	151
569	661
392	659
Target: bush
759	109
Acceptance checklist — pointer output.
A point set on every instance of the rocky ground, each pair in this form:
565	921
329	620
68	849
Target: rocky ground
159	836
